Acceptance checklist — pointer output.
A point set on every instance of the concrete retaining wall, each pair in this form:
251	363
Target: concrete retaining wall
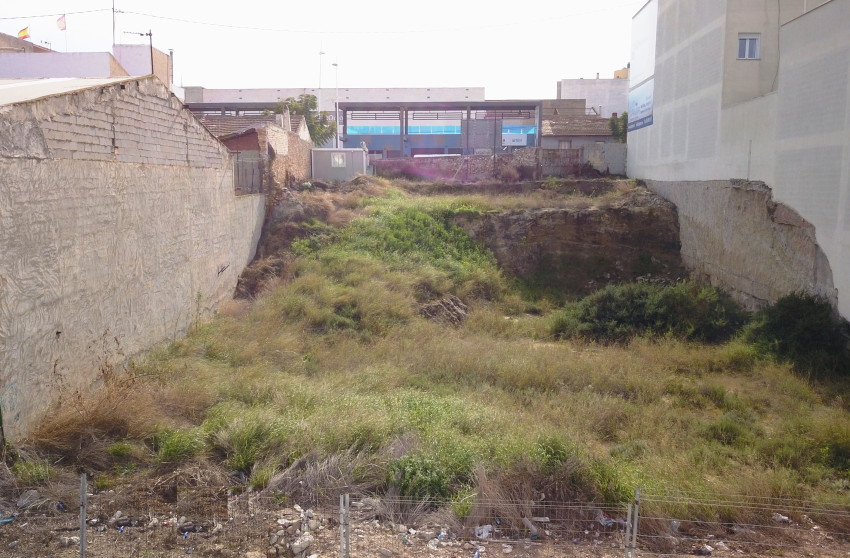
734	234
120	227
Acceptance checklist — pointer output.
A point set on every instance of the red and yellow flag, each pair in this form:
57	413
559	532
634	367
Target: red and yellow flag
60	23
24	33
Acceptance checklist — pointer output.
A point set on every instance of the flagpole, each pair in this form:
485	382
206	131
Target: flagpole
113	24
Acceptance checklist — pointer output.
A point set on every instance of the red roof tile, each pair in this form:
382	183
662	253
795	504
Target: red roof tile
224	125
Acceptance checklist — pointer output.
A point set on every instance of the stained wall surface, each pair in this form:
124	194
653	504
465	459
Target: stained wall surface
120	227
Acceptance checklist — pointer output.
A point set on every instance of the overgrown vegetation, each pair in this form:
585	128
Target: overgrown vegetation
331	378
617	313
804	330
619	126
319	124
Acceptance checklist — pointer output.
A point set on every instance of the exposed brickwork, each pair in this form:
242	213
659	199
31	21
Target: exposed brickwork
137	121
291	161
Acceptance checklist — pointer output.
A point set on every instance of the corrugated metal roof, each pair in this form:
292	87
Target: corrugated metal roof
576	126
22	90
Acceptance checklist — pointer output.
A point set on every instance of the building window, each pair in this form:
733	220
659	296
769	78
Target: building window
338	160
748	46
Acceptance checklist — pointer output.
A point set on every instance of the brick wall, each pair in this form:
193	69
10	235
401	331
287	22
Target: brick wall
291	161
137	121
119	222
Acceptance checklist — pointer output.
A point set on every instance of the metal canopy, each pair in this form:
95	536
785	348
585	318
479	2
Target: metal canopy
440	105
404	111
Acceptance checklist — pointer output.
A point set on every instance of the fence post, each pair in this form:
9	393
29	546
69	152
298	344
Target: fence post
341	526
635	528
626	547
347	525
83	491
344	541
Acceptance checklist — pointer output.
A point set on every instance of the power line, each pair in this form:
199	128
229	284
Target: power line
57	15
467	28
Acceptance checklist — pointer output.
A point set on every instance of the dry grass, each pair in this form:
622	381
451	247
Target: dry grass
329	375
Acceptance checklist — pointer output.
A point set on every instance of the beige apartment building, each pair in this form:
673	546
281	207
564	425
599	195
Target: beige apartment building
739	112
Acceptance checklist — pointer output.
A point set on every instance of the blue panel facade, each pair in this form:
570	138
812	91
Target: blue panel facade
416	143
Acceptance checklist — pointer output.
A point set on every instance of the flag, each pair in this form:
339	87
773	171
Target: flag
24	33
60	23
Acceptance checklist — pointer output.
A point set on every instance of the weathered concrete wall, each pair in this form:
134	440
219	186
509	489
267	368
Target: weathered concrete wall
59	65
611	94
120	227
606	157
734	234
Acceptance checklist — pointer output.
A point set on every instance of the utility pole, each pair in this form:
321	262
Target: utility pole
336	104
319	92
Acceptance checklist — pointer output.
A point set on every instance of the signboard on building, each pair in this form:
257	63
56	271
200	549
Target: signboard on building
642	90
515	139
640	105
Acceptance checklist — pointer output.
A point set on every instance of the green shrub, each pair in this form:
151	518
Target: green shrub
550	453
790	451
420	478
618	312
732	429
462	502
33	472
244	435
833	447
173	445
609	482
802	329
415	236
262	473
631	450
121	449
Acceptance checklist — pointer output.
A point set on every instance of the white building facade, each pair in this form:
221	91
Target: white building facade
728	92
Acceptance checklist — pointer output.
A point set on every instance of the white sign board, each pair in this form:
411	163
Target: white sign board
642	70
515	139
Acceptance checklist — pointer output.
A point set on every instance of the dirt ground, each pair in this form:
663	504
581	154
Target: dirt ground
155	520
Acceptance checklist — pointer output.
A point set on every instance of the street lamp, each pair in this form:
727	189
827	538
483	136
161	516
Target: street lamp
319	99
336	103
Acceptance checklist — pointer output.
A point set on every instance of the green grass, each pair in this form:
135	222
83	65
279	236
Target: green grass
632	386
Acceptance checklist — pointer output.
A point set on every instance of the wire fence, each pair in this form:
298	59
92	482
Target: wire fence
174	519
675	523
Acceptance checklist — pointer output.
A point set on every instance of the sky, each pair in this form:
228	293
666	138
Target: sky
515	50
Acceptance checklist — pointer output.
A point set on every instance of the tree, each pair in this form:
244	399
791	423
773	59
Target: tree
619	127
321	127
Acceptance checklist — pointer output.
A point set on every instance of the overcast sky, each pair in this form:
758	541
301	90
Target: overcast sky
516	50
